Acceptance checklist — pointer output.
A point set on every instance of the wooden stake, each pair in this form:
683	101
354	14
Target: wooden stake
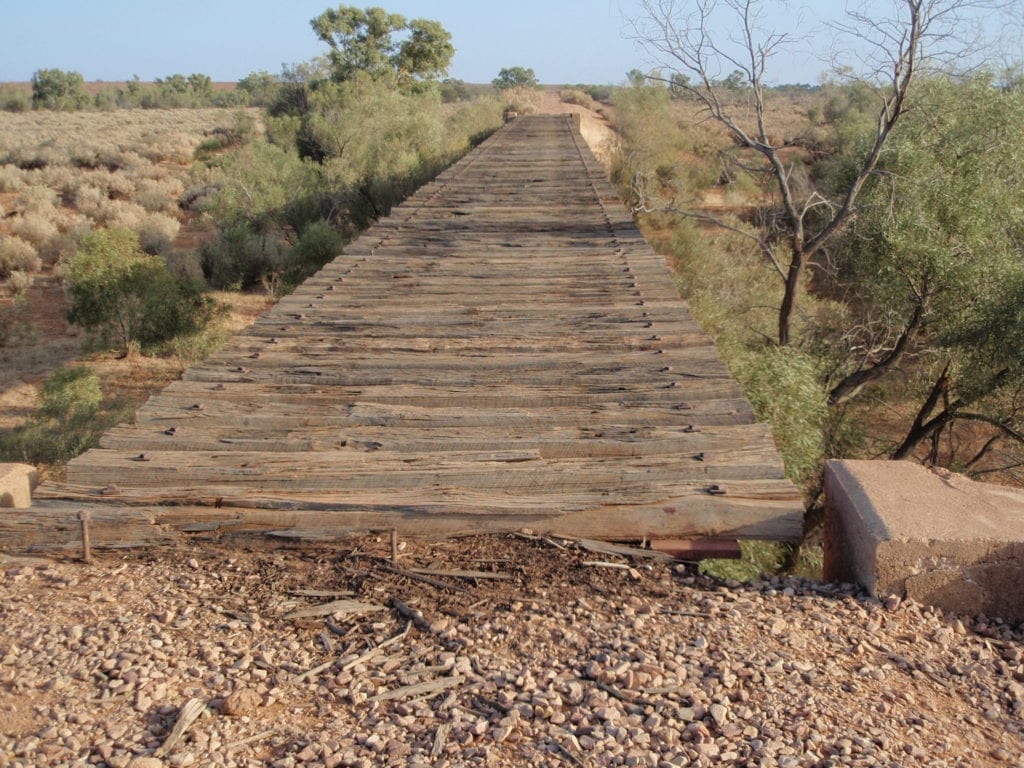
394	546
84	516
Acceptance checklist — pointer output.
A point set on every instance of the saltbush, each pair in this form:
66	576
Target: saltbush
157	232
38	230
17	255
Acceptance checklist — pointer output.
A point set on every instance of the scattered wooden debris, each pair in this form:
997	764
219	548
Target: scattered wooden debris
461	574
377	649
440	739
332	608
419	577
187	715
419	689
411	614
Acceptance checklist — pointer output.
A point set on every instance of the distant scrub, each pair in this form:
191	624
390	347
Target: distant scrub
577	97
17	255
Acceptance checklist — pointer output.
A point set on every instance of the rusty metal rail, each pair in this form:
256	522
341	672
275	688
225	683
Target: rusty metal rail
503	351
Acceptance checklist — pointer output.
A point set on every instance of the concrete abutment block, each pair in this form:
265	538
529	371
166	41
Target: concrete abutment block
936	537
17	481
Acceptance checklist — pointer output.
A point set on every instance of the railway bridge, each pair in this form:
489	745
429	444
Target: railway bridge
503	351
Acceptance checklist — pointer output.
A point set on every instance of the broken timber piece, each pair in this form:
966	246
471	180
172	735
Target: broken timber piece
693	550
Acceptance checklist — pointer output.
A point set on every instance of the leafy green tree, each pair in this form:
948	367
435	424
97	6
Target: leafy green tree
57	89
383	44
515	77
128	297
261	87
932	267
201	86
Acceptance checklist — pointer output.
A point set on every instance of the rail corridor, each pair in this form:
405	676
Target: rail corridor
503	351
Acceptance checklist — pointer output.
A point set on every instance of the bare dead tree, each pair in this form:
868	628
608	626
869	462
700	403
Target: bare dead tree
684	36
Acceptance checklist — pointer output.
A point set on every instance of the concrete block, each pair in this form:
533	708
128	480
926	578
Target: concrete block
17	481
936	537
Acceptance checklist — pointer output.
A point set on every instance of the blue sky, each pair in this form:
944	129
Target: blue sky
564	41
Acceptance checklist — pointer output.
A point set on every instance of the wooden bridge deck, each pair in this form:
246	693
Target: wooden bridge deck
503	351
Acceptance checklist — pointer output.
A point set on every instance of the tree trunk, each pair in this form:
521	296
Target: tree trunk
789	297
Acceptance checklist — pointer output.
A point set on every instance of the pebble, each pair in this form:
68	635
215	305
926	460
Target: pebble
783	672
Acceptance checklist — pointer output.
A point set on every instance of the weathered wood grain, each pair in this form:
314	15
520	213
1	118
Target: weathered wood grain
504	350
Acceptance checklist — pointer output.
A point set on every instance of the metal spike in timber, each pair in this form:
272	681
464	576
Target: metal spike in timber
503	351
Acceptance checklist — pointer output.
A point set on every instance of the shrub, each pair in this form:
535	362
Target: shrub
71	419
784	386
318	244
579	98
11	179
17	255
522	100
126	296
38	230
36	199
57	89
19	282
239	259
70	393
156	232
14	100
157	195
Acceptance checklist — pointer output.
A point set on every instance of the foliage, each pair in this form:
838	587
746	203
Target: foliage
933	265
784	386
127	296
14	99
261	88
72	416
17	255
453	90
318	244
515	77
59	90
577	97
364	41
264	187
603	93
706	39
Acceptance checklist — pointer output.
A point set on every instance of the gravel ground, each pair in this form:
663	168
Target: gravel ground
551	661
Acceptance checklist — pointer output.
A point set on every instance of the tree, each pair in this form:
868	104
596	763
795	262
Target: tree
515	77
127	296
261	88
383	44
57	89
932	269
803	220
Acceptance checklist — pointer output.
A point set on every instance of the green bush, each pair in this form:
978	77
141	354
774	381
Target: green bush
72	416
125	296
57	89
784	385
239	258
318	244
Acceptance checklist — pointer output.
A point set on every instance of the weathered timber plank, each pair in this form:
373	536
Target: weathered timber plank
504	350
